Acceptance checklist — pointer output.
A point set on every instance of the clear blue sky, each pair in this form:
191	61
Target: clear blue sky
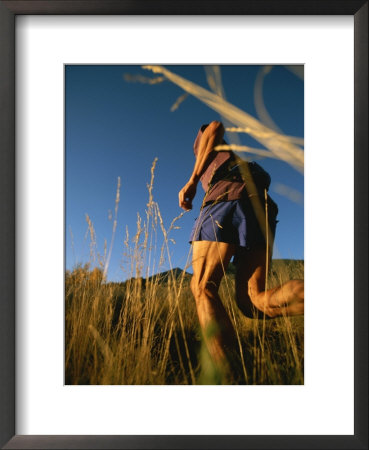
116	128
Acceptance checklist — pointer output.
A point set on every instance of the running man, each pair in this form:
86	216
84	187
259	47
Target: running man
237	218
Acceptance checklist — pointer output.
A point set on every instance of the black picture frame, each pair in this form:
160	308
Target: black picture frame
8	11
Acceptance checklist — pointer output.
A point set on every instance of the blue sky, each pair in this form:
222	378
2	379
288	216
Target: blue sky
115	128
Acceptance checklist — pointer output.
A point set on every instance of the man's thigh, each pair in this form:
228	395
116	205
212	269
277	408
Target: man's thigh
210	260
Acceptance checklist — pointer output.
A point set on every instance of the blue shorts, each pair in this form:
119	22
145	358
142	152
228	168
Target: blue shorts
234	222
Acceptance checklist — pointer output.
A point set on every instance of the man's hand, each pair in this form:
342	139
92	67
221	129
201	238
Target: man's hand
186	195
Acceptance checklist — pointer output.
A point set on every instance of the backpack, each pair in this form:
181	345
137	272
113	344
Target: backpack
239	170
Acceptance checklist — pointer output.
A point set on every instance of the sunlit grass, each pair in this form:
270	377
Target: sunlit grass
145	330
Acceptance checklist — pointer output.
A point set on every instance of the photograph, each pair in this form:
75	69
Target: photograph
184	224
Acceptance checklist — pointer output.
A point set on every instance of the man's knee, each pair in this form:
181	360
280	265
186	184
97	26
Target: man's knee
203	288
250	305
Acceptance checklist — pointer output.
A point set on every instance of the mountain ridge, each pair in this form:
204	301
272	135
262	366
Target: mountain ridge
177	272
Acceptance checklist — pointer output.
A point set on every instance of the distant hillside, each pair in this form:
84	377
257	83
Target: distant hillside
161	277
177	272
288	266
277	264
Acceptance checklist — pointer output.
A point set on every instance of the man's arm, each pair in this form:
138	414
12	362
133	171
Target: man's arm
212	136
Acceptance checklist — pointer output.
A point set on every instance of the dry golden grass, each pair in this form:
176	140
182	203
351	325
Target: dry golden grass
145	330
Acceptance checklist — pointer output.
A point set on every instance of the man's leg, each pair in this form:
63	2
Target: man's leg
209	262
287	299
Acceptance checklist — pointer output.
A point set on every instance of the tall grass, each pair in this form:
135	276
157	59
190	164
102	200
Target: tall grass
145	330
